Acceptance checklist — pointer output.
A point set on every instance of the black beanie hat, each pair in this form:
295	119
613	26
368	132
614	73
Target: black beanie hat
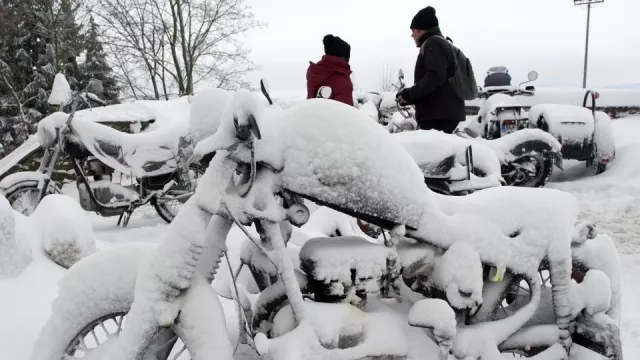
425	19
335	46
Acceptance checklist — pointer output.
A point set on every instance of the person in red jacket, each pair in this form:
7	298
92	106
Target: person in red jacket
332	71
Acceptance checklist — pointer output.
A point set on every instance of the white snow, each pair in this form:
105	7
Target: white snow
603	136
206	111
437	315
13	158
592	295
65	230
429	147
15	252
61	91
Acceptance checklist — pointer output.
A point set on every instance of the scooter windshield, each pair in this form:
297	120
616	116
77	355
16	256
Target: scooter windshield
336	155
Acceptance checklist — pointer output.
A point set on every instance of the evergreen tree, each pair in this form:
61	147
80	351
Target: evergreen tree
95	69
38	38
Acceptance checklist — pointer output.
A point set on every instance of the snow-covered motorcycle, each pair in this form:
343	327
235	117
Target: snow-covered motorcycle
526	159
156	163
265	164
447	162
585	133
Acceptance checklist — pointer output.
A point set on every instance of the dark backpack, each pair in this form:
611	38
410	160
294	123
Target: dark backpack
463	79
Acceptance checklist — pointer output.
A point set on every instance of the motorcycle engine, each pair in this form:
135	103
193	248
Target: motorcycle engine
105	192
98	169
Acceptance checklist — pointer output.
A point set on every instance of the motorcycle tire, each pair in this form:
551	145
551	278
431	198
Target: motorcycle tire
163	209
543	170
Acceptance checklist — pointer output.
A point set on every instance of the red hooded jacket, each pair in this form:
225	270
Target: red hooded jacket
332	71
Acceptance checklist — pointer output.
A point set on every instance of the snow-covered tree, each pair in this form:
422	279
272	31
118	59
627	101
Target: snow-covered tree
38	38
96	72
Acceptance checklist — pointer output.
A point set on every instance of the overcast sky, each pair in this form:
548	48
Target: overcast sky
545	35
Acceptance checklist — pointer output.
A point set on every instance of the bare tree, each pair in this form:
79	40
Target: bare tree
162	48
386	79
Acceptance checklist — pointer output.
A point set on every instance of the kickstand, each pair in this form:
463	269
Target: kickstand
120	219
126	216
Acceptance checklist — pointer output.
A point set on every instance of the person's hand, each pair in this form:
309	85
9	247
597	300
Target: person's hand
401	98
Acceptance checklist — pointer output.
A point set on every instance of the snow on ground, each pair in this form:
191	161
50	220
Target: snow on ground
611	199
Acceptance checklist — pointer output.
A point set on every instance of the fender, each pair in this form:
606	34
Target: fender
25	178
529	147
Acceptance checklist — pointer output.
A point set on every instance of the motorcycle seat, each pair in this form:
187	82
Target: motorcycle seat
140	155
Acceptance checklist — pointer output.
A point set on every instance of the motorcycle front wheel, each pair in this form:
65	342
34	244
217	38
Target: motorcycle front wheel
168	209
94	339
23	196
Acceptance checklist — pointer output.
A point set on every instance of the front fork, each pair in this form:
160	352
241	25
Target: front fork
47	165
273	232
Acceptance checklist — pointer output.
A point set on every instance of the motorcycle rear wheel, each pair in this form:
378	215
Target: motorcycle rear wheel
543	168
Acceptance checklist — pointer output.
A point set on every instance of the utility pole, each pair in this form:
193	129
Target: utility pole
589	4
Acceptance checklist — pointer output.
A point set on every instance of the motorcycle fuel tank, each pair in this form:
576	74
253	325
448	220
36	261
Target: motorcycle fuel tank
336	155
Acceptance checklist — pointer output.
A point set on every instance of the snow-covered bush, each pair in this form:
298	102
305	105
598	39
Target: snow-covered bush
14	254
65	230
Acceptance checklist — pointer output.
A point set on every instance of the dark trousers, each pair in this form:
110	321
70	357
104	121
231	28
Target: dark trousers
447	126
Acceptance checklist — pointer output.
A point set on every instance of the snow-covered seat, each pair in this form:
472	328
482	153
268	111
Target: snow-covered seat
438	153
143	154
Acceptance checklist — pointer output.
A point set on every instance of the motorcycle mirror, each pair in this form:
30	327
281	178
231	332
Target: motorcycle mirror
324	92
264	88
533	75
400	74
61	91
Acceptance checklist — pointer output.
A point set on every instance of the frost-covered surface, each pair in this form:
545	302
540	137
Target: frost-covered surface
15	252
65	230
572	123
603	136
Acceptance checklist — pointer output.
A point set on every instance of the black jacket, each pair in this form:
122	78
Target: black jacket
433	95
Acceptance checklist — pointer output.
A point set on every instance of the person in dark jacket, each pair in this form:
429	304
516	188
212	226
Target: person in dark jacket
438	105
332	71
